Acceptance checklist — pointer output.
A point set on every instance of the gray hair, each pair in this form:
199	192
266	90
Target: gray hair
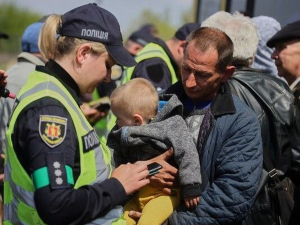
241	30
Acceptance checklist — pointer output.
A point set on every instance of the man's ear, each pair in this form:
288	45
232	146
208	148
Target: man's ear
229	71
138	120
82	52
182	44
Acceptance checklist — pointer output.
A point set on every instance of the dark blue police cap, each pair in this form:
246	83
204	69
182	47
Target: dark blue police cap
289	32
93	23
185	30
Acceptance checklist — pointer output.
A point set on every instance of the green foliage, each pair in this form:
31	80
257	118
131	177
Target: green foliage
13	21
188	17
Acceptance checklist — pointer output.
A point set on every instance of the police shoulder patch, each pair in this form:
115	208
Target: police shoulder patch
52	129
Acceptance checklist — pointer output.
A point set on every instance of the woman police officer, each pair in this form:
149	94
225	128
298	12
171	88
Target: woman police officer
56	170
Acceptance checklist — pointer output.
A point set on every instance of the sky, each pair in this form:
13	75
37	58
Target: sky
126	11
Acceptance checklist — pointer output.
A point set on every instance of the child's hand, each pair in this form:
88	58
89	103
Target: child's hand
191	202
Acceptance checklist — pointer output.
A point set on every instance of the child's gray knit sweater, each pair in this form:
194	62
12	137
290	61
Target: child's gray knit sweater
168	129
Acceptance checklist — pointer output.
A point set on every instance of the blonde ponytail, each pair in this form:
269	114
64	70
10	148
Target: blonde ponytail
48	36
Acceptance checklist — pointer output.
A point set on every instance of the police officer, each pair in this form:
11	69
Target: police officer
159	61
56	170
137	41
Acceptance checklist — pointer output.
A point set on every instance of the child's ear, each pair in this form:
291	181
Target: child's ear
138	120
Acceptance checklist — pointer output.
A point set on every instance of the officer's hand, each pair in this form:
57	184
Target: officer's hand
91	114
131	176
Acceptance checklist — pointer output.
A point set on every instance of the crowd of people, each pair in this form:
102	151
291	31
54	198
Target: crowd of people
215	110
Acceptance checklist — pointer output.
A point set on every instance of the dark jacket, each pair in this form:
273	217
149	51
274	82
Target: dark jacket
272	101
230	159
156	69
296	93
166	130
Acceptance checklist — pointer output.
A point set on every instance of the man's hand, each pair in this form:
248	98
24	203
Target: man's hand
166	178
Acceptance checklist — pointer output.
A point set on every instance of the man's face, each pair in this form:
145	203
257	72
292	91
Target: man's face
132	47
200	79
287	59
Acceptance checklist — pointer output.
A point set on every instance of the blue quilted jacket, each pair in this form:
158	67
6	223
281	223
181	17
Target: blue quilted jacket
231	163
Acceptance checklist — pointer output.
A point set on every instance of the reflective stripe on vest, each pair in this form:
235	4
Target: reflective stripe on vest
151	50
94	164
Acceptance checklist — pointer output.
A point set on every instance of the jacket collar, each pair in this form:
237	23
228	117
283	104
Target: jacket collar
54	69
222	104
28	57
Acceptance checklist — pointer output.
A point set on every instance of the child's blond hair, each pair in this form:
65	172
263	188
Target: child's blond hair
138	96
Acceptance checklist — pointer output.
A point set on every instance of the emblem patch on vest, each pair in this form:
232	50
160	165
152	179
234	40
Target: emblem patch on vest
52	129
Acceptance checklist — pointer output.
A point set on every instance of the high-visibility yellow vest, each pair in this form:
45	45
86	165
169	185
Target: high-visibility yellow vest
151	50
94	165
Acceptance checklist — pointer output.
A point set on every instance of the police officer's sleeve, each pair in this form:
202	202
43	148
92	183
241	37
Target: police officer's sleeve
43	147
156	71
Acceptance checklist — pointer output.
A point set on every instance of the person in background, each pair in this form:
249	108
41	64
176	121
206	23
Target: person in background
267	27
3	83
56	170
270	98
27	60
137	40
150	28
287	56
18	74
159	61
144	131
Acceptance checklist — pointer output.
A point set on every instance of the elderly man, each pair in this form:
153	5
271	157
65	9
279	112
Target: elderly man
226	132
287	56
